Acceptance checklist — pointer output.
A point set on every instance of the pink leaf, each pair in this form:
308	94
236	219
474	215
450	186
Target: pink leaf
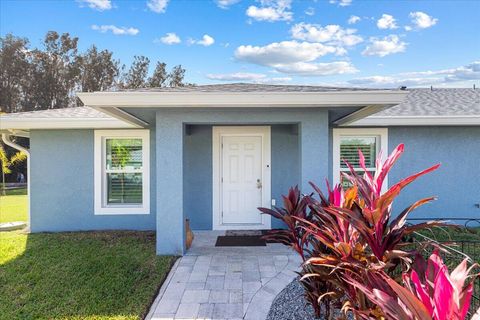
442	296
421	292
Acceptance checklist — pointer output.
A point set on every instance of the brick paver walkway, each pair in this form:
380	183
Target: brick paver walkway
224	282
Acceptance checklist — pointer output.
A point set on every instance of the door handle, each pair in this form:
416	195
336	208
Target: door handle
259	184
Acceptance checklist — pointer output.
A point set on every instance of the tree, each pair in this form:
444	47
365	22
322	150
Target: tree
137	74
98	70
54	73
159	76
48	77
176	76
14	67
7	162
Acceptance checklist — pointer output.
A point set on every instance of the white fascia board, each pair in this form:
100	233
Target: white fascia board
471	120
16	133
360	114
62	123
241	99
123	116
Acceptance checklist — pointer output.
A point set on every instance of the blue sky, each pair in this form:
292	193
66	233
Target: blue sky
325	42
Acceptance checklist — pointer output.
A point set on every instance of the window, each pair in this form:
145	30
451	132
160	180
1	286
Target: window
122	184
347	142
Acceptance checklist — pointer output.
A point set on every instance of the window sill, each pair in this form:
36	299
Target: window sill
121	211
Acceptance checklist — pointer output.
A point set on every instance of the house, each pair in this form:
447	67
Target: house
148	159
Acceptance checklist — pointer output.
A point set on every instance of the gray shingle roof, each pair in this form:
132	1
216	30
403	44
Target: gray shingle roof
67	113
437	102
419	102
249	87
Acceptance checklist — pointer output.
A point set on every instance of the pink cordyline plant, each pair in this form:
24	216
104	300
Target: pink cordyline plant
374	221
429	292
352	246
444	295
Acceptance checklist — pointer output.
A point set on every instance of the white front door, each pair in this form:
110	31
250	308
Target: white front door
241	179
242	174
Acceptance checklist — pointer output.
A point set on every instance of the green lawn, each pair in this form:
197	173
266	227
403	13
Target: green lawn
453	234
79	275
461	239
17	191
13	206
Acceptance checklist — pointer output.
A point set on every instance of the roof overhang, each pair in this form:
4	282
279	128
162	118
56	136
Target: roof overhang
32	123
133	99
124	116
111	103
379	121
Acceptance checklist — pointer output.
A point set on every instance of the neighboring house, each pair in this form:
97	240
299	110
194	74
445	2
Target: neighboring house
149	159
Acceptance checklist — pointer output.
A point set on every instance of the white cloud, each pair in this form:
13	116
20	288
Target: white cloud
248	77
388	81
408	28
470	71
387	22
341	3
116	30
422	20
285	52
205	41
158	6
99	5
276	80
170	38
330	34
238	76
225	4
462	74
271	10
353	19
310	11
318	68
293	57
383	47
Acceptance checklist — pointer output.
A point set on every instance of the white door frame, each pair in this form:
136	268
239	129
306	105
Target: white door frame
218	133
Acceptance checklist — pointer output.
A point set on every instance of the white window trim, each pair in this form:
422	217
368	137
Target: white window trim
99	170
338	133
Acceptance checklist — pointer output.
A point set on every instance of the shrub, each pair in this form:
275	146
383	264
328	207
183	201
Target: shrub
350	245
428	291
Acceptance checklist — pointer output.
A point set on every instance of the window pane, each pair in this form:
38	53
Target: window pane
349	151
346	183
124	188
124	154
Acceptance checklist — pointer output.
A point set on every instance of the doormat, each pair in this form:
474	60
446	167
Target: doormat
258	233
240	241
244	233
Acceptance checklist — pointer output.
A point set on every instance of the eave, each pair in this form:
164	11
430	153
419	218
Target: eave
134	99
378	121
61	123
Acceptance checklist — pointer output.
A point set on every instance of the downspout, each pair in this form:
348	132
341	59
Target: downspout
6	138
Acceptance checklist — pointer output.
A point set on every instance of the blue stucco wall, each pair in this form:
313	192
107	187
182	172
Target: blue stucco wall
197	170
456	182
62	194
313	158
198	173
285	163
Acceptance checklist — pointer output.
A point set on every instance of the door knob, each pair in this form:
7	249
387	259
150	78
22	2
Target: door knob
259	184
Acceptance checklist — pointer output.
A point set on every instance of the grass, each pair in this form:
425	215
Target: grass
79	275
453	234
16	192
461	239
13	206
